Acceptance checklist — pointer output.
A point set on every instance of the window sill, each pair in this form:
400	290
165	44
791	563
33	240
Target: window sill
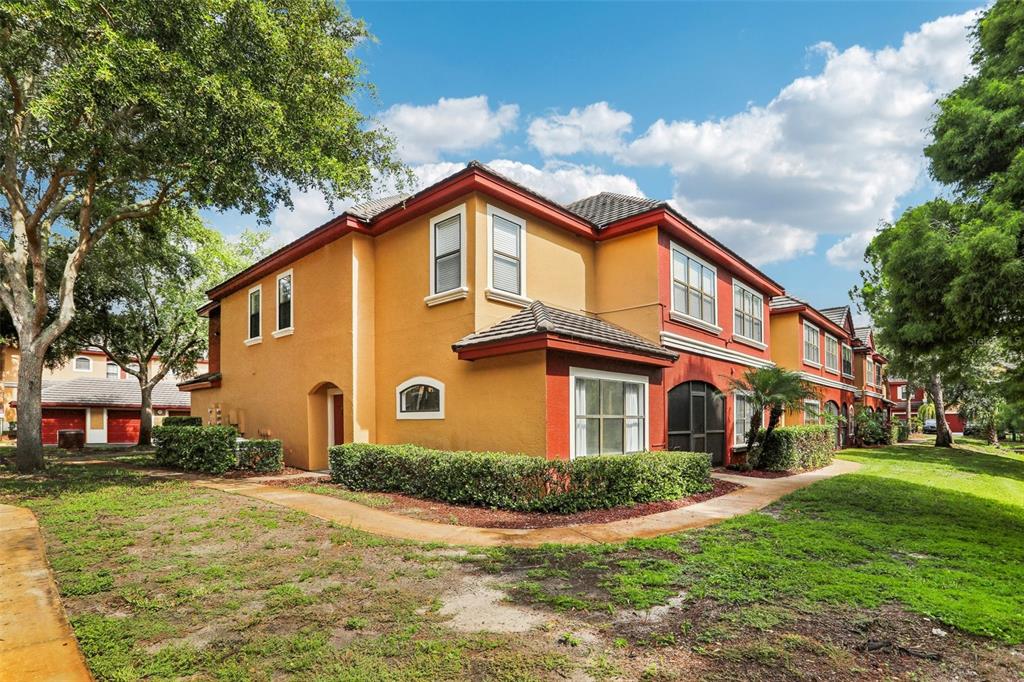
253	341
832	371
446	296
749	342
283	332
815	365
694	322
506	297
739	448
847	376
417	416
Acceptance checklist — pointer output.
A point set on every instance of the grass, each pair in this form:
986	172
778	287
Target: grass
164	581
937	531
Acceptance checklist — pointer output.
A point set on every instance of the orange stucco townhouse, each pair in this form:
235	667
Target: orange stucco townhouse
477	314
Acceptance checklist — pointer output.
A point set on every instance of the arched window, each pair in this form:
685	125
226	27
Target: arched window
420	398
83	364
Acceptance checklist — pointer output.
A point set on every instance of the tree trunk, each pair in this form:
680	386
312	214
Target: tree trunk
910	427
943	436
29	449
991	432
755	428
146	417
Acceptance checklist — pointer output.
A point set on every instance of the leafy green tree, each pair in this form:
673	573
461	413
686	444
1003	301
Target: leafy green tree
1010	418
773	389
114	111
137	297
926	411
977	388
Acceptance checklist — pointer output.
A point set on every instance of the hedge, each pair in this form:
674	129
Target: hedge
260	455
797	447
210	449
521	482
902	431
179	420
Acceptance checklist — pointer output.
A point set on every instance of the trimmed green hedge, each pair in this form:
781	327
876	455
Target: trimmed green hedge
521	482
181	420
261	455
902	431
797	447
210	449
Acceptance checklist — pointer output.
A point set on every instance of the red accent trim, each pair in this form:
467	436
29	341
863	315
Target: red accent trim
554	342
816	318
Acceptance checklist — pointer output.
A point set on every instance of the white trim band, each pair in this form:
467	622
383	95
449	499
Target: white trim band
677	342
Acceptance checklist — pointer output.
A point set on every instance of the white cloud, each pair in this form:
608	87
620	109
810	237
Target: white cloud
832	153
452	125
310	210
594	128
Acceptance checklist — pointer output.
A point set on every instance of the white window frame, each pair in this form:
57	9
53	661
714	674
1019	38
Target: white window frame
585	373
686	318
739	438
803	344
901	392
853	358
839	354
426	381
817	409
869	371
522	298
252	340
117	369
74	363
737	287
290	329
435	297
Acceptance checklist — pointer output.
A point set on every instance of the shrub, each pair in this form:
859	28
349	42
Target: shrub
261	455
521	482
210	449
902	432
797	447
182	420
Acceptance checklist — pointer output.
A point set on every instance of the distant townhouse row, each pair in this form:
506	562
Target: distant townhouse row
92	394
477	314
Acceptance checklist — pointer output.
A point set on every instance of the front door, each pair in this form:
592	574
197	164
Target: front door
696	420
335	419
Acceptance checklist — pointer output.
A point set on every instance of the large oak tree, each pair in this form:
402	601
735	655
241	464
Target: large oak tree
113	111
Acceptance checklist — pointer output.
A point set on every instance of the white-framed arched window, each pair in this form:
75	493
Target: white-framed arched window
83	363
419	398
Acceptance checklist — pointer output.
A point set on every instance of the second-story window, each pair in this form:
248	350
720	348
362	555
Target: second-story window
847	361
506	252
83	364
284	301
693	287
812	350
831	353
113	371
748	313
254	313
869	371
878	374
446	251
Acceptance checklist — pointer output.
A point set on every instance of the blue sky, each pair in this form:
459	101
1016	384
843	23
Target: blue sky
788	130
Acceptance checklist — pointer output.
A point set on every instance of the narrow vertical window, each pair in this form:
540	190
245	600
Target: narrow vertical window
254	314
812	351
743	412
847	361
748	310
113	371
506	255
447	254
831	354
284	301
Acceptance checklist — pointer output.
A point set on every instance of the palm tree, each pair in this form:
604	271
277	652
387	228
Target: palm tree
774	389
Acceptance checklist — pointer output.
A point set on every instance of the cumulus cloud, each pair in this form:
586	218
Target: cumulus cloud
832	153
451	126
310	209
595	128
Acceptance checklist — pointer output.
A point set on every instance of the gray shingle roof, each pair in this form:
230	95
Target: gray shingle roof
369	209
862	334
538	318
607	207
836	314
112	392
784	301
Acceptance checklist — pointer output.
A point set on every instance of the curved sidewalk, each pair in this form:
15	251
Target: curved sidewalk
36	642
756	493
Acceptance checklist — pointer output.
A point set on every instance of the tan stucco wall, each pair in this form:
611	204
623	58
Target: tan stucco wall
787	340
625	292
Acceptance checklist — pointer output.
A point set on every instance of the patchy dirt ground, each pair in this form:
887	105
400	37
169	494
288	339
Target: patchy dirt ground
462	515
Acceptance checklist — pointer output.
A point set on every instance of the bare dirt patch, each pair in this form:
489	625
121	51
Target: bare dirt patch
480	517
476	606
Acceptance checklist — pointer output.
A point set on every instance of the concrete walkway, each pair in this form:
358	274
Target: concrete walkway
36	642
756	493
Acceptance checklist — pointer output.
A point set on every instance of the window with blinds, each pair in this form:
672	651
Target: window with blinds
693	287
748	309
506	255
812	350
447	254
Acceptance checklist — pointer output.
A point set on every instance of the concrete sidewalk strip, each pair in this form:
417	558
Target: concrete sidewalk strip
756	494
36	641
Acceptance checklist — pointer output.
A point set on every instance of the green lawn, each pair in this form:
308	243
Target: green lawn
910	568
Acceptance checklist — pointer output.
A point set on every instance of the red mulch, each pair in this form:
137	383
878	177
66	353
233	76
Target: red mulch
757	473
481	517
245	473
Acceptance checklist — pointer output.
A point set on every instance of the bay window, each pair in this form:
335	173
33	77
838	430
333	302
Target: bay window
447	255
694	287
609	412
506	257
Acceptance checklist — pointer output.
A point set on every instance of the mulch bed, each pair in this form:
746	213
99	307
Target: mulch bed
481	517
757	473
245	473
